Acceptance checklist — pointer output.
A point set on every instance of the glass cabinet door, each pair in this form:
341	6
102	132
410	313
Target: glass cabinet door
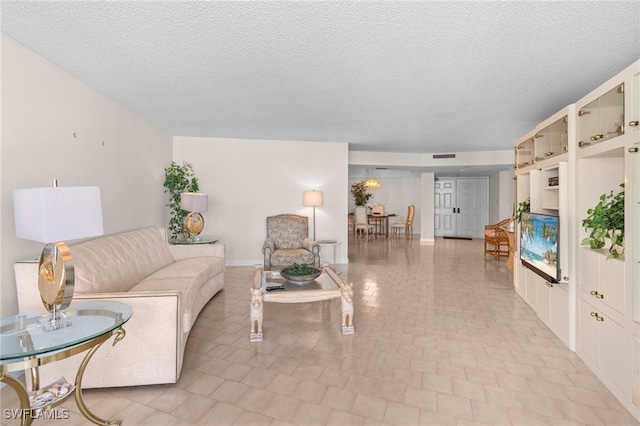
634	121
552	140
524	154
603	118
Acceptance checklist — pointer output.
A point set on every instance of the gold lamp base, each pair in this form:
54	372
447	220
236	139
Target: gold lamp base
56	283
194	224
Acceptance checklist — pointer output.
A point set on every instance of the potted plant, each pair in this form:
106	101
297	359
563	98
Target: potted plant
523	207
606	221
360	193
178	179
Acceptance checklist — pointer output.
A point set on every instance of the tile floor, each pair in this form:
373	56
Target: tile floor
441	339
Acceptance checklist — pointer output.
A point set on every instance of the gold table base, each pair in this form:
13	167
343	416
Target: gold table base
33	363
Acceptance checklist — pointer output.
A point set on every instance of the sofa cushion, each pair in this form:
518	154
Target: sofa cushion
185	276
118	262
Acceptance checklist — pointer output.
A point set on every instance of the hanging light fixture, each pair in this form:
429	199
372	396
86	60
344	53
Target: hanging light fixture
372	183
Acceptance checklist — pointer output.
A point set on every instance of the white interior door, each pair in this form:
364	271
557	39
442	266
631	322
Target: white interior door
461	207
444	215
472	207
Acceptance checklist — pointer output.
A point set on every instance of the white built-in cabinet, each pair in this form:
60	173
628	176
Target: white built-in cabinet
608	294
542	175
591	147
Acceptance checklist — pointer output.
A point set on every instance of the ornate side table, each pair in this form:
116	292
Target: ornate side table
25	344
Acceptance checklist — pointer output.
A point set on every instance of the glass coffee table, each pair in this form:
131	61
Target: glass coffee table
25	344
270	286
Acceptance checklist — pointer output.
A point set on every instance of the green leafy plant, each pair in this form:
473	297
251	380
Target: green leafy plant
523	207
178	179
360	193
298	269
606	221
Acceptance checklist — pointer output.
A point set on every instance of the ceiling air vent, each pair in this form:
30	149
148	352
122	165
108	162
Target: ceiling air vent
444	156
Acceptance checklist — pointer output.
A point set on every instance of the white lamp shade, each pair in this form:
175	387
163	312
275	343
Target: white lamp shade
313	198
57	214
194	202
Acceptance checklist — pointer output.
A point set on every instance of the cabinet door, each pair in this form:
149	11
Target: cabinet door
612	283
602	341
543	295
602	118
633	113
603	279
551	140
588	333
524	153
612	352
532	282
589	279
559	311
520	278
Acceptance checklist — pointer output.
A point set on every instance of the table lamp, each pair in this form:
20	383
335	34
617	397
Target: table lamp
195	203
313	198
49	216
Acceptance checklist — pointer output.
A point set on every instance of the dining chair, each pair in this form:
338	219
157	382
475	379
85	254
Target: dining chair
406	224
351	223
362	222
378	222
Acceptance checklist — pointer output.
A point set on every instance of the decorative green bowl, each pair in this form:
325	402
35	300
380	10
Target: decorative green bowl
300	274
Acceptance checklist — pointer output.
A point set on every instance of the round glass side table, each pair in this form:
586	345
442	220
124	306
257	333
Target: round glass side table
26	344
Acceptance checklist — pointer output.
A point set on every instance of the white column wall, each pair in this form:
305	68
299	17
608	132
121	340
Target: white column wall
427	219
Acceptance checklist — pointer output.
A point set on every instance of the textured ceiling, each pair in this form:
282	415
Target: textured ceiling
424	77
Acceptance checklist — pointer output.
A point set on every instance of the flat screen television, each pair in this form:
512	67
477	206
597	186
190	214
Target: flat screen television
539	241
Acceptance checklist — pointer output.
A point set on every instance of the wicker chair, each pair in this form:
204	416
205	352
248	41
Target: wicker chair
496	242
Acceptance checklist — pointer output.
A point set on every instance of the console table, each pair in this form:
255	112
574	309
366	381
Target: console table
25	344
201	240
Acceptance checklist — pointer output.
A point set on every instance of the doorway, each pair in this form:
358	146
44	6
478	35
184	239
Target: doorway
460	207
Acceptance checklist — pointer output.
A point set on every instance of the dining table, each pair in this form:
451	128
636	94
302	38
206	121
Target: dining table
381	223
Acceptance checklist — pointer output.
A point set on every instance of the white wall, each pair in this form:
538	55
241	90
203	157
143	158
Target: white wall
55	126
248	180
494	198
507	194
501	196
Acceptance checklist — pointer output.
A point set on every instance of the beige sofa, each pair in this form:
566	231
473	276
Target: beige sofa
166	285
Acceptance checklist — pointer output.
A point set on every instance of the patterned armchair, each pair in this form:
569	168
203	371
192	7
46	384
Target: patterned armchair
288	242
